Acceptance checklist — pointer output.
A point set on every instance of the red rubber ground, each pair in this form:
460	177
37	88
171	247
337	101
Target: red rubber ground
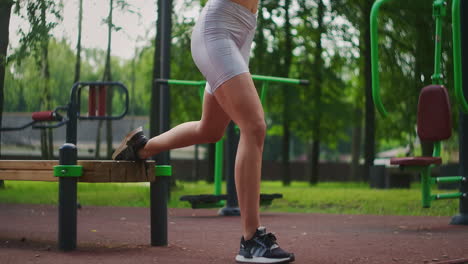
121	235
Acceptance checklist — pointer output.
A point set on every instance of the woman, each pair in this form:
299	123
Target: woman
221	42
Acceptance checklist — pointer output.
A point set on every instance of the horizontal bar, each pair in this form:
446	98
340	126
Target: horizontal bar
446	196
184	82
17	128
255	77
279	79
449	179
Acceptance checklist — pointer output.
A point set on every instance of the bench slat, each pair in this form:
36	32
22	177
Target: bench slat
93	171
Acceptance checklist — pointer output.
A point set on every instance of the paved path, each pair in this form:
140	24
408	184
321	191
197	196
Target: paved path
121	235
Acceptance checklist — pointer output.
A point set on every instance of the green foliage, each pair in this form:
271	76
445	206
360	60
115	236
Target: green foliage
21	84
33	40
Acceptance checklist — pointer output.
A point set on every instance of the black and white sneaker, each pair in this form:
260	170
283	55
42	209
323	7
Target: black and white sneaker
262	248
128	149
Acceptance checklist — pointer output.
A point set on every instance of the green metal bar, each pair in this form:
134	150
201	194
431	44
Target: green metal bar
375	58
201	91
447	196
437	149
426	187
255	77
218	166
263	92
279	79
185	82
439	11
448	179
457	56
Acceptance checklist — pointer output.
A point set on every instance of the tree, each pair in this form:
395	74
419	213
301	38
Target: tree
36	42
107	76
78	45
405	40
5	11
317	86
286	61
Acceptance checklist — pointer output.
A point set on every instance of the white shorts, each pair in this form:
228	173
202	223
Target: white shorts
221	41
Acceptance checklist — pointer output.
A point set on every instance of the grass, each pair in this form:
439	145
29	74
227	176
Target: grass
330	198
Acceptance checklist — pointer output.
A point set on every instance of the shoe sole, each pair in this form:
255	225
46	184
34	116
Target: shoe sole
123	144
242	259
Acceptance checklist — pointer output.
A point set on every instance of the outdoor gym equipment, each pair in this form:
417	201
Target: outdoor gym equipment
229	200
434	113
69	170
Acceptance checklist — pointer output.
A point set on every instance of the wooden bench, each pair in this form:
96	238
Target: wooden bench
93	171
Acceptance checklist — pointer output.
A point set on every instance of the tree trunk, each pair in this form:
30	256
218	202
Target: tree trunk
286	140
356	145
423	66
369	138
108	77
288	46
47	138
78	45
132	89
314	158
318	80
260	45
5	11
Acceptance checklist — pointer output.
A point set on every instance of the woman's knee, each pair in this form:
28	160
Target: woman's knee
256	129
210	134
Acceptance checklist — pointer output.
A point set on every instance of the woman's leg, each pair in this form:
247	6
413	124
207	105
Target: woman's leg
209	129
239	99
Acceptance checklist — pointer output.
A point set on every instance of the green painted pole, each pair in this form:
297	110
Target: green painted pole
426	187
457	56
439	11
263	93
375	58
201	91
219	166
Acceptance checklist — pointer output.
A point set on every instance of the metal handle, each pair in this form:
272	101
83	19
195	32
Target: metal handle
375	58
76	101
40	117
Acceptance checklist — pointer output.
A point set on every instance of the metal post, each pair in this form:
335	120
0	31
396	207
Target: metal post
462	217
218	166
426	187
68	186
160	188
159	194
67	200
232	204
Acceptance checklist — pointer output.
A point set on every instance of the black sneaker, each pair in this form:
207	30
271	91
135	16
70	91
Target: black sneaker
128	149
262	248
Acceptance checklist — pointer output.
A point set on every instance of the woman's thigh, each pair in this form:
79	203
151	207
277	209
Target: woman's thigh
214	120
239	99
